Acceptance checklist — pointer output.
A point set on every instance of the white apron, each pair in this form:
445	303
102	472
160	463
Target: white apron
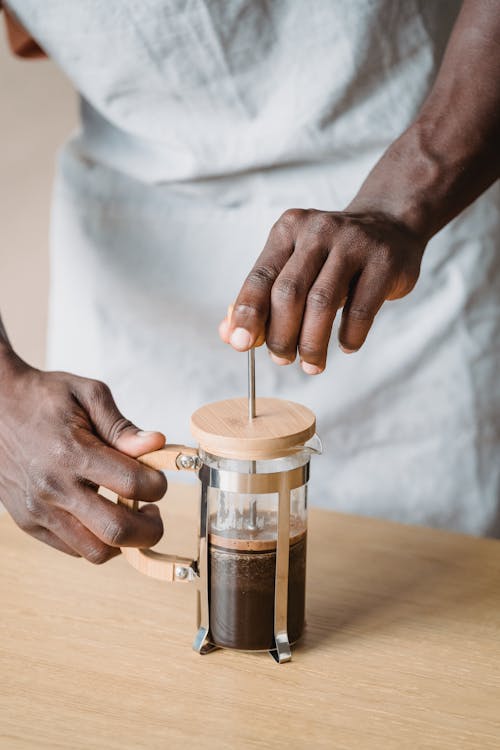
201	122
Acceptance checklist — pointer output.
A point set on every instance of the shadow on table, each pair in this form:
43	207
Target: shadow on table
367	582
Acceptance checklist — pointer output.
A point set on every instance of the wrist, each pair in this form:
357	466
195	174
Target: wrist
408	183
431	173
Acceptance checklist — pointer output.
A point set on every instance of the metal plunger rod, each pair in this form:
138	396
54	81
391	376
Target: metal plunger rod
252	509
251	384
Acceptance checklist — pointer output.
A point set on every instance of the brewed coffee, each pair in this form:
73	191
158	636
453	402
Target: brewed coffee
241	585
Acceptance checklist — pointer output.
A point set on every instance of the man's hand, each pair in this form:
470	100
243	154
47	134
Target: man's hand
61	437
315	262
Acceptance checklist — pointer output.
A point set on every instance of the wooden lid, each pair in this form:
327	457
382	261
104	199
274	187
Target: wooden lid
223	428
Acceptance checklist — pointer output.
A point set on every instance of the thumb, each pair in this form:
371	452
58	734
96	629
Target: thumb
110	424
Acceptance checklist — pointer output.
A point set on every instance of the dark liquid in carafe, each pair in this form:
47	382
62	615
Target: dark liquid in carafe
242	595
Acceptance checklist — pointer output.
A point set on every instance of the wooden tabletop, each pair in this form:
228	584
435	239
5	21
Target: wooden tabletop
402	649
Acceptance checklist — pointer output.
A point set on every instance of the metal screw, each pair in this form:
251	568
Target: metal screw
181	572
187	462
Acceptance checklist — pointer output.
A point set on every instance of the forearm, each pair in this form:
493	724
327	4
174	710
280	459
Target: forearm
451	153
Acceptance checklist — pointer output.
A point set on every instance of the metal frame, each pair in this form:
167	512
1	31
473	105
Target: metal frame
282	652
201	642
282	483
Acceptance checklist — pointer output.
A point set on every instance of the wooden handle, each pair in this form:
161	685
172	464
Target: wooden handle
166	459
168	568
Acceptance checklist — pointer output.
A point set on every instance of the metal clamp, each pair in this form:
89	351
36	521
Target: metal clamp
256	484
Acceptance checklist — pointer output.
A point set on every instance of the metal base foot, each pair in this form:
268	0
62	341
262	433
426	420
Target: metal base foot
201	643
282	653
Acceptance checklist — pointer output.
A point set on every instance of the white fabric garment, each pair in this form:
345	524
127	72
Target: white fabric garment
203	121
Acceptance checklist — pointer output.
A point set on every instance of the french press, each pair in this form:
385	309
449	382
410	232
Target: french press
253	465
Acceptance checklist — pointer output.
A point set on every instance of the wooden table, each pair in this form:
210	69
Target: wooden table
402	649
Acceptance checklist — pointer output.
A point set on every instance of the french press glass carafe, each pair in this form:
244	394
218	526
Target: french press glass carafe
250	569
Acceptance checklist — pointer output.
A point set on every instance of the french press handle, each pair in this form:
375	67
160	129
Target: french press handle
170	568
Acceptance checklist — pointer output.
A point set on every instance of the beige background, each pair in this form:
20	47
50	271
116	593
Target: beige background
38	110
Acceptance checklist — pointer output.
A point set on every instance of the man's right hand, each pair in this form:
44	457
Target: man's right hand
61	437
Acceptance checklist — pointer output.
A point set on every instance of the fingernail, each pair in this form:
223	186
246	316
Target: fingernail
280	360
145	433
347	351
310	369
240	339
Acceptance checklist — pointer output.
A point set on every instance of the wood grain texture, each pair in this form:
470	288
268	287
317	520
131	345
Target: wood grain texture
402	649
223	427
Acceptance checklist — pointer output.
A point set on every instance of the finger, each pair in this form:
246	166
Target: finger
47	537
104	466
114	525
288	298
363	303
66	527
324	299
225	328
251	308
110	424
